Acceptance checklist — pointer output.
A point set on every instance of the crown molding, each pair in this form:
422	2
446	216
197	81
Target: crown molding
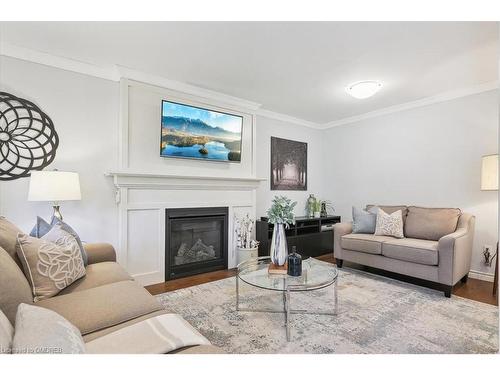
64	63
116	73
442	97
287	118
162	82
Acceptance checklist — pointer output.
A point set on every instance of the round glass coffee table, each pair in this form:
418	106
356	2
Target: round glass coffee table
315	275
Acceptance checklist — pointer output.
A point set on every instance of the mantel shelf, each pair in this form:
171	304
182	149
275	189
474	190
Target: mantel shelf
141	180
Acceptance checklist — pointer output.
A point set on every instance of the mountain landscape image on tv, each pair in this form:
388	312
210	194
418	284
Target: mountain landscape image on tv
197	133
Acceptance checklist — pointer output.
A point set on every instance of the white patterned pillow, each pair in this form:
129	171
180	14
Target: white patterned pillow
389	225
43	331
50	263
6	334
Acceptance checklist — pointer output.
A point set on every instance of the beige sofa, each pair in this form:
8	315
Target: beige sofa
103	301
437	246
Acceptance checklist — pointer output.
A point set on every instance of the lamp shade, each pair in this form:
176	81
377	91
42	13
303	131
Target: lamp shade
489	172
54	186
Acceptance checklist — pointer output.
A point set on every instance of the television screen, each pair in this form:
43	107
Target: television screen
198	133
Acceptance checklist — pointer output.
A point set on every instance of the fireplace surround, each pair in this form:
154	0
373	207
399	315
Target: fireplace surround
196	240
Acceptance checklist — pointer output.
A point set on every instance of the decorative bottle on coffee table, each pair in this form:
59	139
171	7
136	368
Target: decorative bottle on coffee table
294	263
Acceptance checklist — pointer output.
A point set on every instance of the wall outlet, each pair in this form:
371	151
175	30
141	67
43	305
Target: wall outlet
487	254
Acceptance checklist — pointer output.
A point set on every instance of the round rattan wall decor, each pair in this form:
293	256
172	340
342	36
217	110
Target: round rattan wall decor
28	139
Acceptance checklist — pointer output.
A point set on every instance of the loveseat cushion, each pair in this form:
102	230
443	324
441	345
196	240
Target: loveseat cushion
365	243
104	306
412	250
14	287
431	223
98	274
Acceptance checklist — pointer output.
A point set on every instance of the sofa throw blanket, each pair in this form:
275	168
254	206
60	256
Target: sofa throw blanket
158	335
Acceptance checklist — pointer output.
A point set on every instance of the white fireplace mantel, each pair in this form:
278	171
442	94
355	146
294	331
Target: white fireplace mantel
142	199
141	180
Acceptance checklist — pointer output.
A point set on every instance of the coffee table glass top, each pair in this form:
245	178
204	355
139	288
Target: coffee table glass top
315	275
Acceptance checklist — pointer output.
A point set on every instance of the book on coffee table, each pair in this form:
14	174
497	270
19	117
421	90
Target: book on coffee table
277	270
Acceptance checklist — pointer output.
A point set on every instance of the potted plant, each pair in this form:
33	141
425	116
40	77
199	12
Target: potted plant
247	247
317	207
281	215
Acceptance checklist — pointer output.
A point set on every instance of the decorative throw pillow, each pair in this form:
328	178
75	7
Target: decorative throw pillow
6	334
364	221
389	225
50	263
41	228
43	331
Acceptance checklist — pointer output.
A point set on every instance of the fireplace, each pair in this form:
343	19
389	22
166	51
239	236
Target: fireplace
195	240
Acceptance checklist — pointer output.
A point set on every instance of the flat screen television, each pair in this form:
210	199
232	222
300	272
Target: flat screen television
199	133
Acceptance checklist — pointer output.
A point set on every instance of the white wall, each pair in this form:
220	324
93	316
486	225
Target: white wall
267	128
85	114
429	156
144	119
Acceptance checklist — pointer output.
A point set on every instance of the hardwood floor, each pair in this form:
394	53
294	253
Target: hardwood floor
474	289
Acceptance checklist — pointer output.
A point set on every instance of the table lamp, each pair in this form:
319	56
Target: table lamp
54	186
489	181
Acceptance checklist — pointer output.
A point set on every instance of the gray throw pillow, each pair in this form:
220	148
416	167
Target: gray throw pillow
43	331
364	221
41	228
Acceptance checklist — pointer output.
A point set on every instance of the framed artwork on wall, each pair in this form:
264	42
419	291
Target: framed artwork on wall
288	164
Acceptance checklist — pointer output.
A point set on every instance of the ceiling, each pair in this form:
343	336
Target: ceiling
295	68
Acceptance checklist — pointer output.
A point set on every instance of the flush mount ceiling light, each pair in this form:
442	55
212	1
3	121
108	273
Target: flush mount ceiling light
363	89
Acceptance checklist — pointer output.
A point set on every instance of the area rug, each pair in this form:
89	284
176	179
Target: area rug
376	315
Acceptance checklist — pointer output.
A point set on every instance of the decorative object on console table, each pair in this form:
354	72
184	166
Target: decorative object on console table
310	205
317	208
28	139
288	164
489	182
294	263
247	247
313	236
54	186
280	214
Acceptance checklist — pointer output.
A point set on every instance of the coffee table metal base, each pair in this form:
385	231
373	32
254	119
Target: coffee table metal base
287	310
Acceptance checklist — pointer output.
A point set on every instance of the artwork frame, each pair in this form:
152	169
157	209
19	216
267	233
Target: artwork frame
288	164
190	138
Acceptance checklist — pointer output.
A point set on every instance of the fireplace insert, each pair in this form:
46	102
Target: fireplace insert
195	240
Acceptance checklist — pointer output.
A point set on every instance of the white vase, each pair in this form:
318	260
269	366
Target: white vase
245	254
279	247
317	214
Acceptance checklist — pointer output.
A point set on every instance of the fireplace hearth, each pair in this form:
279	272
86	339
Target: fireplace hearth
195	241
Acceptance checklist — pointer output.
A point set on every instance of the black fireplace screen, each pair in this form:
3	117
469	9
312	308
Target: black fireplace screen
195	241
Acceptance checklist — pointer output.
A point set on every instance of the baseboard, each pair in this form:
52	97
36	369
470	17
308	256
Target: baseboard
481	276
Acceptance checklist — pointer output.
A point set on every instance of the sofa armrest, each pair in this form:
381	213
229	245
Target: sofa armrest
455	251
339	230
100	252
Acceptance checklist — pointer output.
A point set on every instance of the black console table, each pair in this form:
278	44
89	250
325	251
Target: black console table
311	236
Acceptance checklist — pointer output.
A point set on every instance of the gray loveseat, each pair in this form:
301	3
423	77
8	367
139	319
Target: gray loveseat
437	246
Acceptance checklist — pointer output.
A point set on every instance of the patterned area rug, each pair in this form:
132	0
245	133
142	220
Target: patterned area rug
376	315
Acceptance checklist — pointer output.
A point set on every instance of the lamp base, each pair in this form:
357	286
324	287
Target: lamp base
56	212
